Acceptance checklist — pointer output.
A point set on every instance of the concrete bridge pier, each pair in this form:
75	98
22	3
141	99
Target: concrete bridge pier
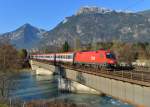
39	68
67	85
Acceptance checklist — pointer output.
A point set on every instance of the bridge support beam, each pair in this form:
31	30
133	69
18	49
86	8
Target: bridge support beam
42	69
75	87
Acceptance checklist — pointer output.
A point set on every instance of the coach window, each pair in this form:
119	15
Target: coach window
71	56
67	56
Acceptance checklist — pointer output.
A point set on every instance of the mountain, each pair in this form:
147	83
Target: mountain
93	24
26	36
89	24
145	13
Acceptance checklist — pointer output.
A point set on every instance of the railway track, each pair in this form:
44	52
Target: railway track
138	75
124	74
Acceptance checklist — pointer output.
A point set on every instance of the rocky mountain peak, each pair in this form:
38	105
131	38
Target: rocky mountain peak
25	36
27	26
92	9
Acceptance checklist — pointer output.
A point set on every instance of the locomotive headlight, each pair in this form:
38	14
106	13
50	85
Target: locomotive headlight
111	61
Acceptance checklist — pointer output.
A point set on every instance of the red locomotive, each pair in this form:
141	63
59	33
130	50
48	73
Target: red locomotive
97	58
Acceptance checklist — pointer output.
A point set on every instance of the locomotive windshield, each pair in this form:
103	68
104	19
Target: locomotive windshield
110	56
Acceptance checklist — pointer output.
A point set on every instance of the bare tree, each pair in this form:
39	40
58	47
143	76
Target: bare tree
7	84
9	62
9	58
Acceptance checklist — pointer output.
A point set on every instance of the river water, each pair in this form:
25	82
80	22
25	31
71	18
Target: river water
33	87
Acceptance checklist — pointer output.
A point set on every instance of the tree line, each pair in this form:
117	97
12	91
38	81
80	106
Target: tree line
125	52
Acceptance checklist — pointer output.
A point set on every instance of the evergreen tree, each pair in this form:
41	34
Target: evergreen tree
65	47
22	53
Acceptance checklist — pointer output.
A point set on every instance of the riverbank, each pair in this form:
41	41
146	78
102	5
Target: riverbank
40	103
55	103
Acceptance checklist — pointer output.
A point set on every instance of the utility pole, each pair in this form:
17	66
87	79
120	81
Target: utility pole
4	61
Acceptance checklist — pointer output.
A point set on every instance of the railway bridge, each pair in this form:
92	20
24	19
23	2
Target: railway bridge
129	86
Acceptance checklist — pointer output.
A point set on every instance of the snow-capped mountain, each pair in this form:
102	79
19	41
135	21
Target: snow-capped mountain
26	36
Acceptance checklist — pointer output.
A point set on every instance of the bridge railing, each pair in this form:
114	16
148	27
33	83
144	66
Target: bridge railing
127	74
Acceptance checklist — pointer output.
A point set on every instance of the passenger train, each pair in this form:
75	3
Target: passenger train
99	58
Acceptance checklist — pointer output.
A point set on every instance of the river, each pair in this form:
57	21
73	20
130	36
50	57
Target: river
35	87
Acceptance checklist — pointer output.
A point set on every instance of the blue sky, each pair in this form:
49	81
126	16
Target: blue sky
47	14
